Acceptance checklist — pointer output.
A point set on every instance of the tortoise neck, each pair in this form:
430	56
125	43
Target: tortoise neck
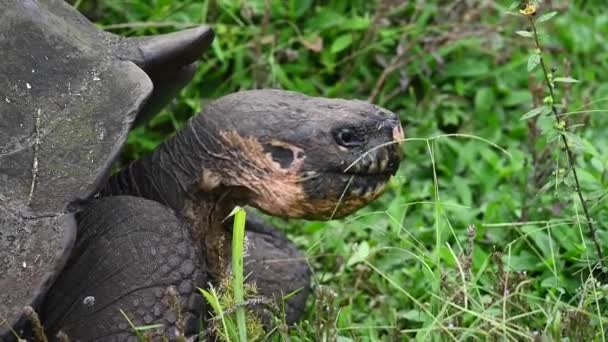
182	173
179	167
205	214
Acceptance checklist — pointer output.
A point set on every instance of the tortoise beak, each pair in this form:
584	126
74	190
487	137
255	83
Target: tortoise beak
170	62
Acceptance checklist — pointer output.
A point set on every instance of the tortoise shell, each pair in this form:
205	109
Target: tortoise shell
69	93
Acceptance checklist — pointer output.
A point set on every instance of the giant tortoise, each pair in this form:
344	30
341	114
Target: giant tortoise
79	245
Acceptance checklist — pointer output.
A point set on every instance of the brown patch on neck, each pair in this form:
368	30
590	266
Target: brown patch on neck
274	189
204	212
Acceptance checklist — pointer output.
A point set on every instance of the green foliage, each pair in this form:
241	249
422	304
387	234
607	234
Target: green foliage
470	241
244	325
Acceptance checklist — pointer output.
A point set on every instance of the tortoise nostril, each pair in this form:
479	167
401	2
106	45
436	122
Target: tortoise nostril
394	130
387	128
348	138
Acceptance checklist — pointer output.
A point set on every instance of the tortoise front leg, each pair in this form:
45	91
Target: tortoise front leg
128	252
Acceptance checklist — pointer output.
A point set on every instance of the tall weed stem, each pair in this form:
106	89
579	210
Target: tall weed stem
562	124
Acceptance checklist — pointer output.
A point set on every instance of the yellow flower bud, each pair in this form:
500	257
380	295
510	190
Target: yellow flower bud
529	9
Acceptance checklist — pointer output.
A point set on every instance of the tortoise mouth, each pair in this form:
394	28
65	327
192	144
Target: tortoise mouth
382	159
363	185
351	185
337	194
369	173
362	179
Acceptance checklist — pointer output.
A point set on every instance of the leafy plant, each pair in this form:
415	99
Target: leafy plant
460	75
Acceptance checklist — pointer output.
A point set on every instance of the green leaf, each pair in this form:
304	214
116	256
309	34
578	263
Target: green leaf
546	17
213	300
484	100
551	282
565	80
517	97
356	23
341	43
414	315
525	261
463	190
343	339
217	49
536	111
466	68
325	19
360	254
524	34
541	239
575	141
533	61
299	7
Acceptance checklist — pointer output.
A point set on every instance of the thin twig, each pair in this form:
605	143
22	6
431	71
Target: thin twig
565	141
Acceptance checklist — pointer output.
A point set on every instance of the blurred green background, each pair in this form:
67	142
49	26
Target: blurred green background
456	72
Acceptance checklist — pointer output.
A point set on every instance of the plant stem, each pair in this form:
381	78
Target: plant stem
569	153
238	231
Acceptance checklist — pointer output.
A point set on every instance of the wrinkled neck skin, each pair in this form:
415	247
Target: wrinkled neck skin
182	174
208	230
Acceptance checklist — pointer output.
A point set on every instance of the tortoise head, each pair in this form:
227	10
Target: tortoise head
296	156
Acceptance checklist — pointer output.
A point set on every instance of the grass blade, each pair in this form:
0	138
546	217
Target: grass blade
213	300
238	241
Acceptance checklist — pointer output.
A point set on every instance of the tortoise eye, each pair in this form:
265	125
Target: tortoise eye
347	137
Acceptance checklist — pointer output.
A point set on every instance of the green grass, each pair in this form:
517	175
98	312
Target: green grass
229	301
238	242
481	235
